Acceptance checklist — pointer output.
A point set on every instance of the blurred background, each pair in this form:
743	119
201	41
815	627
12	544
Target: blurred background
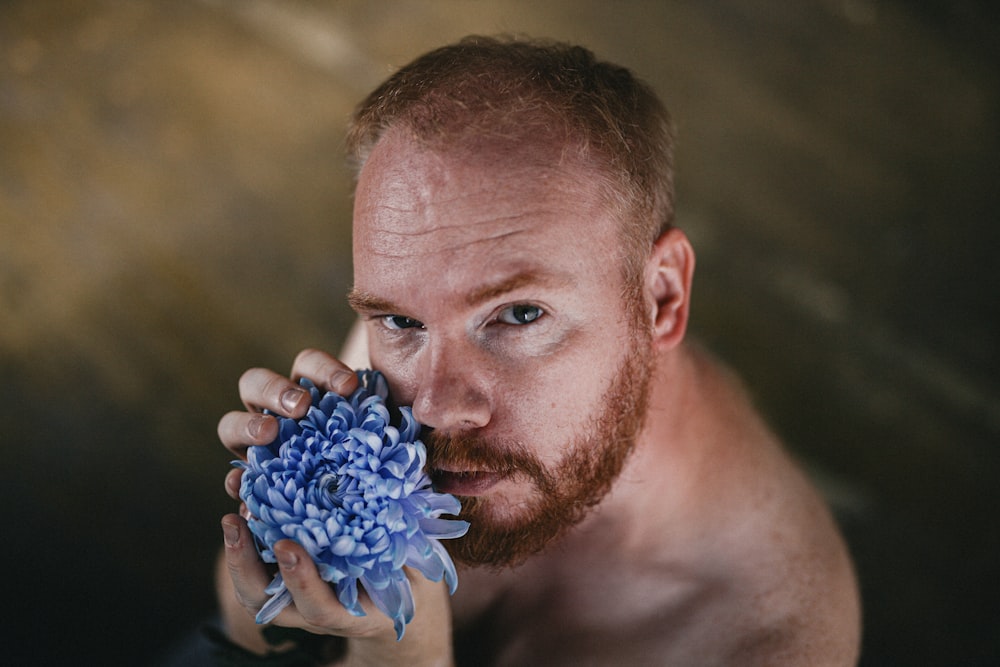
174	208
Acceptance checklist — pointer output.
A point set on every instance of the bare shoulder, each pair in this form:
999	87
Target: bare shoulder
745	560
791	595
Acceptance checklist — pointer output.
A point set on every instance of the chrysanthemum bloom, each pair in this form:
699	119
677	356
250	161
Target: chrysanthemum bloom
350	487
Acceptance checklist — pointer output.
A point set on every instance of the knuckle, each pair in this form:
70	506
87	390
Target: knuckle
305	358
245	602
314	364
225	427
247	378
367	630
273	385
320	618
232	432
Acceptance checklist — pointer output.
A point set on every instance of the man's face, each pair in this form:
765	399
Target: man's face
491	288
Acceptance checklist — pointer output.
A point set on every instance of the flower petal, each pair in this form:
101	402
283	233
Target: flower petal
444	528
347	482
347	593
394	600
274	605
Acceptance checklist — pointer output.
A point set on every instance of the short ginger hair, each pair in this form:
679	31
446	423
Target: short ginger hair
537	92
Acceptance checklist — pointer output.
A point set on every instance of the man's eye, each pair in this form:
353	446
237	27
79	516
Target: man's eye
520	314
397	322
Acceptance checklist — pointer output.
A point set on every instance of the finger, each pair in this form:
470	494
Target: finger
261	389
325	371
234	478
239	430
246	570
316	604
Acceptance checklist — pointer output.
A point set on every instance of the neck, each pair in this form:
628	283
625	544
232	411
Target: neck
670	451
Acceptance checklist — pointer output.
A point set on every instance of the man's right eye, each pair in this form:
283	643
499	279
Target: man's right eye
396	322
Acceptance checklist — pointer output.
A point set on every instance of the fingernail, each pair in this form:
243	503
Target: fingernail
233	485
290	398
338	379
230	533
255	425
286	559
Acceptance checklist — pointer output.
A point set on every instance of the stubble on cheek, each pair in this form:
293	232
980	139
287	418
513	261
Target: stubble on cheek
506	529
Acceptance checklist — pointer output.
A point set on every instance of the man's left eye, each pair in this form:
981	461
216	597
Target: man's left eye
520	314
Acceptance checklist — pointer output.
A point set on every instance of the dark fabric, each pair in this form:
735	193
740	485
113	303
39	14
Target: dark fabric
209	647
193	650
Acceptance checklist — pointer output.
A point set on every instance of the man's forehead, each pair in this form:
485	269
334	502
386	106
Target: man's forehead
489	162
411	176
411	199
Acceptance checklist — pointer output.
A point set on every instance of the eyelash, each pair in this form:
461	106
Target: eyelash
402	322
539	313
410	323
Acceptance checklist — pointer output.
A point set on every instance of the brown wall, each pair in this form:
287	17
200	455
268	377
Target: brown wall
174	209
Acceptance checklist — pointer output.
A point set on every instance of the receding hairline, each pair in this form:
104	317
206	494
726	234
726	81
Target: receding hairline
516	89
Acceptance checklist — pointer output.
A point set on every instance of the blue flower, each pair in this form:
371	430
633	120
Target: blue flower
350	487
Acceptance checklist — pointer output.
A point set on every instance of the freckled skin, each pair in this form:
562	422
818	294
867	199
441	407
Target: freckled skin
712	548
423	246
489	287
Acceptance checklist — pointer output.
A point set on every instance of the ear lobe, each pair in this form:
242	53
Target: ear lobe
669	274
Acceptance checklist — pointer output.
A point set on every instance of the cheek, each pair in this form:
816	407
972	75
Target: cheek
399	369
551	398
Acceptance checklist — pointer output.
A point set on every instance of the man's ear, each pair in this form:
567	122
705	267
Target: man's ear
668	276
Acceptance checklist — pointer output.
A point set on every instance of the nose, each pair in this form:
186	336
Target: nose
451	388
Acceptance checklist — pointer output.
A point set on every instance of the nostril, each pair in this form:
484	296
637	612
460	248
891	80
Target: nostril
449	385
451	406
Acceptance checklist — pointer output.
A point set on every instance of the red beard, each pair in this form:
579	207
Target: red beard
563	495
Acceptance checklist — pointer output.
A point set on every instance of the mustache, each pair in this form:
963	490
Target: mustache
468	452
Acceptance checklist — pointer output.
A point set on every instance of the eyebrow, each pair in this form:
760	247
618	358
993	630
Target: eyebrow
365	302
515	282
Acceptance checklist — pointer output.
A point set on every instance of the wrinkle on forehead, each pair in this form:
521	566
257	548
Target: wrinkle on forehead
414	200
393	228
383	245
388	229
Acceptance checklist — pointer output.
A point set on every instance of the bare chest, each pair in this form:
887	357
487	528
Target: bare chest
574	615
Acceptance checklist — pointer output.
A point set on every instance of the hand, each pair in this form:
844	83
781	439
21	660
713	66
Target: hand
371	638
242	576
262	389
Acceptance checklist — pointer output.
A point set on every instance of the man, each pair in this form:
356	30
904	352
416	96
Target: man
520	283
